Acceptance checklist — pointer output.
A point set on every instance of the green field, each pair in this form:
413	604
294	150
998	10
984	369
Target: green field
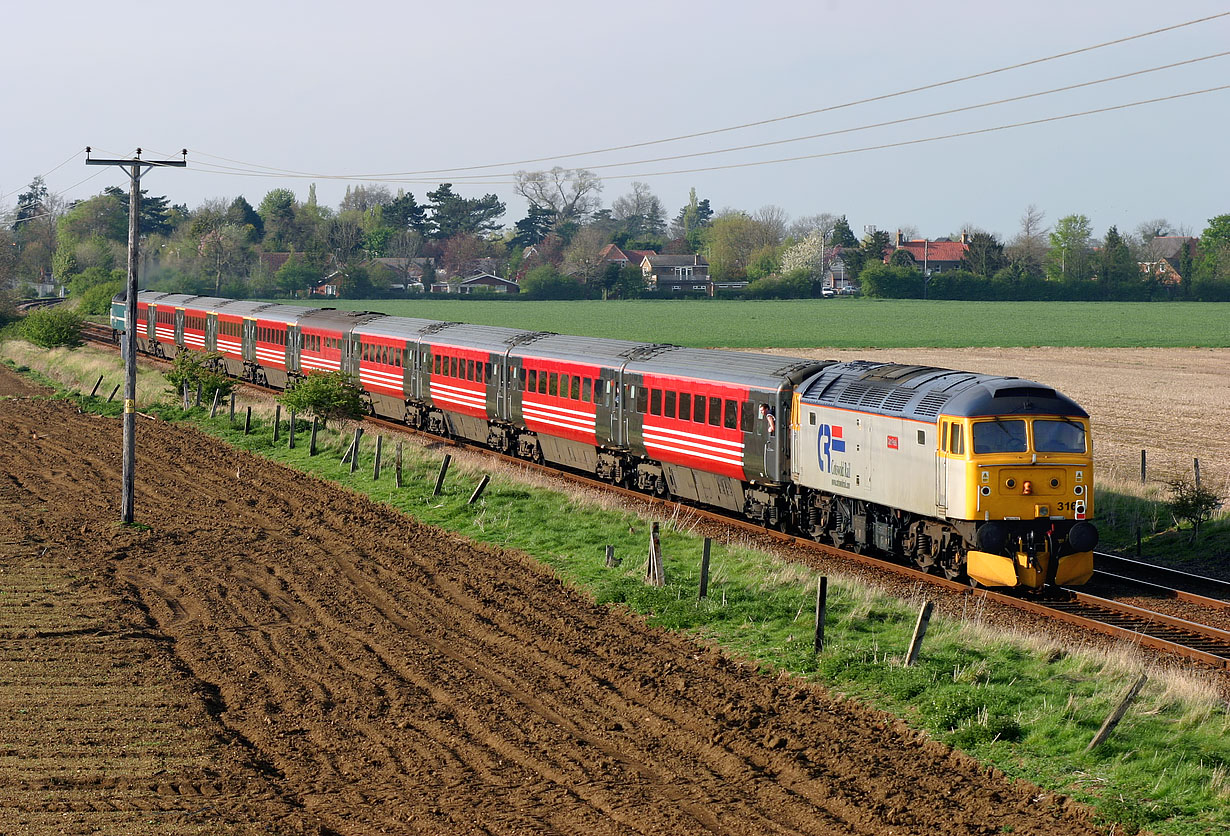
843	323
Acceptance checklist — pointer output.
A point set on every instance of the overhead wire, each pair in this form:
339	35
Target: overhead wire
772	120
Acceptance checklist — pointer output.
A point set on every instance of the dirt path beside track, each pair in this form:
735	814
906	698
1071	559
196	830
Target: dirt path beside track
274	654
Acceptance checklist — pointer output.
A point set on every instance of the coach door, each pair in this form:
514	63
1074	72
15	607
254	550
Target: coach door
249	339
179	326
211	332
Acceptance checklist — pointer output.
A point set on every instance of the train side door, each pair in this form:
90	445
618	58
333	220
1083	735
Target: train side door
211	332
941	471
249	339
179	327
613	398
293	338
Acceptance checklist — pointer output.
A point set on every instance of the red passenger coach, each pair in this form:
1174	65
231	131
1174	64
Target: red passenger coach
696	423
459	378
382	362
557	398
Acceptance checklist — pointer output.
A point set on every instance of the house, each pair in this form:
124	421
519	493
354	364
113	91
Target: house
613	254
489	281
677	273
1165	255
932	256
329	285
270	263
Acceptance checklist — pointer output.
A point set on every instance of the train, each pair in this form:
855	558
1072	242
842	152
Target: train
980	478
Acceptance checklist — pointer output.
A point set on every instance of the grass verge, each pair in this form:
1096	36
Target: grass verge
1021	703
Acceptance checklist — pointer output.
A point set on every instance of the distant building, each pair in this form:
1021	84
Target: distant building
489	281
932	256
677	273
1165	254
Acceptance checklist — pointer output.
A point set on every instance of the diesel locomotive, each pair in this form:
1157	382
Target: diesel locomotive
978	477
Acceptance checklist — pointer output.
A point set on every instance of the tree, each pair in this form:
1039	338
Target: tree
224	253
104	215
534	227
692	220
31	203
452	214
804	227
345	239
197	368
842	235
52	327
639	212
546	282
403	214
363	198
731	239
296	275
1028	249
583	255
1153	228
155	214
773	220
809	256
570	193
241	214
462	254
1070	256
1193	504
1117	269
277	212
330	396
985	255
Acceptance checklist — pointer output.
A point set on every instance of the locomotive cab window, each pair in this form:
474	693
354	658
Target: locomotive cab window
1058	436
1000	436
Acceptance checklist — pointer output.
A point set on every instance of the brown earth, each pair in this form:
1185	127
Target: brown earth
274	654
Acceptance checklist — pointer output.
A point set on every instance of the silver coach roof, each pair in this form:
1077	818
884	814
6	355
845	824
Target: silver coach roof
760	371
397	327
923	392
590	350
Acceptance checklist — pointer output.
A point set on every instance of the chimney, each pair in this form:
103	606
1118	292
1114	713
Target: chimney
899	240
965	238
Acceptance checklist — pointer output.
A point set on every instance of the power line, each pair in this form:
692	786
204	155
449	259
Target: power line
742	126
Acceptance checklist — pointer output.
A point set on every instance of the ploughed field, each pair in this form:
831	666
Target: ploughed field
276	655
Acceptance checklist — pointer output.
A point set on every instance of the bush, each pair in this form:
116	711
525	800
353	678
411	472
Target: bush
197	368
546	282
327	395
97	299
52	327
1192	503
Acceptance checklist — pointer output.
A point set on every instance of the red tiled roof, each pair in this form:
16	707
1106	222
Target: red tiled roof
934	250
612	253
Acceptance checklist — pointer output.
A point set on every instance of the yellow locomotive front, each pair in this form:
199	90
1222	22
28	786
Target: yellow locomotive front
1025	482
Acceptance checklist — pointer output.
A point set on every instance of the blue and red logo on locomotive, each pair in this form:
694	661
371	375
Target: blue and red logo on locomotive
830	441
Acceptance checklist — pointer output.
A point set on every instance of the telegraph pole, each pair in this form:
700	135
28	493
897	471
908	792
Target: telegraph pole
134	167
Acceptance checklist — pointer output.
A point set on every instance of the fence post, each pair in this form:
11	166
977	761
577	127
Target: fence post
232	407
397	467
443	470
312	443
185	393
611	562
247	422
920	630
198	394
1117	714
291	440
354	449
277	423
113	391
822	605
376	465
482	486
97	383
656	574
704	569
1142	467
213	410
1196	467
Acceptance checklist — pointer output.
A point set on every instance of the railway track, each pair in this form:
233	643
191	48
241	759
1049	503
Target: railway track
1122	622
1182	586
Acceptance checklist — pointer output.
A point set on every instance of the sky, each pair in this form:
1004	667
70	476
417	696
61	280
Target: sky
409	94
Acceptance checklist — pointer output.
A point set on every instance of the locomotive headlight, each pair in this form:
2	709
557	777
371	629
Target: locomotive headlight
1079	490
985	490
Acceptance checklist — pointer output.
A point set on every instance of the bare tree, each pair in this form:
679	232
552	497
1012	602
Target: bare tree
822	223
583	257
571	193
774	220
1029	247
642	209
362	198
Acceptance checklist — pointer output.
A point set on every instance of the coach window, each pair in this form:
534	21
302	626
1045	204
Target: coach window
747	417
531	380
553	384
732	415
685	406
715	411
586	389
655	401
564	383
642	399
668	404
